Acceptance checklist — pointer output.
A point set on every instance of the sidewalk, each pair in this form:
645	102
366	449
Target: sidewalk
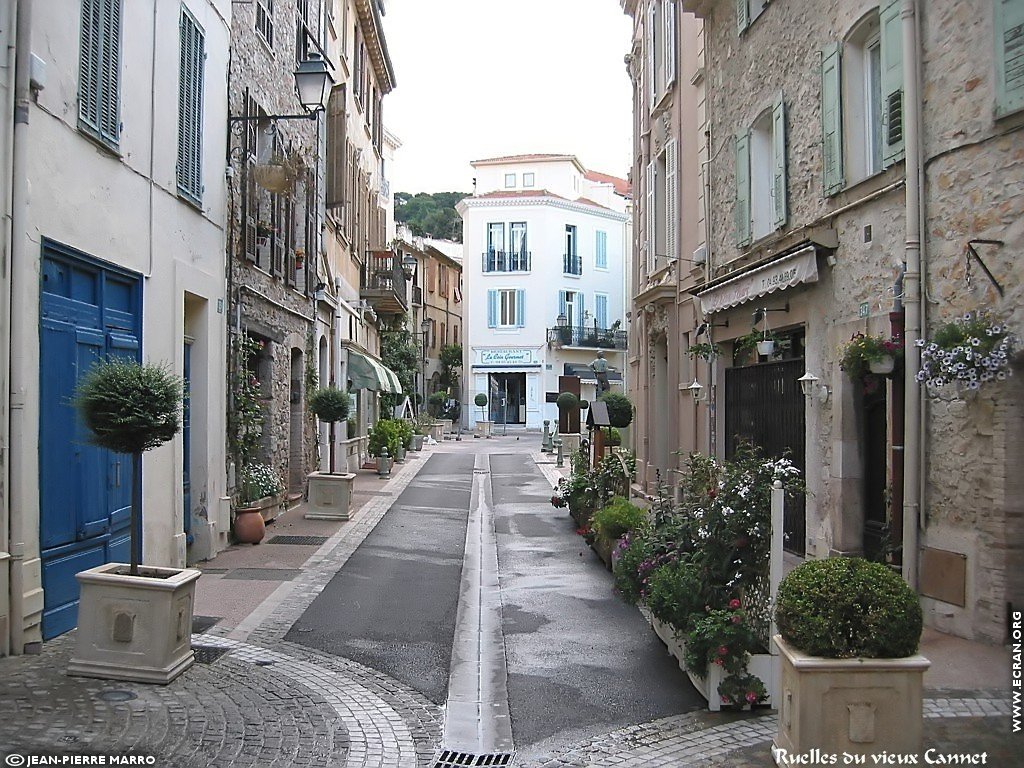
254	699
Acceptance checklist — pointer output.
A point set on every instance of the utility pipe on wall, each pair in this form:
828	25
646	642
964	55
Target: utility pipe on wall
913	298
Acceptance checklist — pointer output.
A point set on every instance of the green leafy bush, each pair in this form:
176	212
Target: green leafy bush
673	590
567	401
404	432
330	404
436	404
385	433
848	607
613	437
480	400
620	409
617	518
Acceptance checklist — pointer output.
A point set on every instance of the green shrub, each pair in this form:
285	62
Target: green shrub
384	433
436	404
584	404
617	518
330	404
848	607
480	400
613	437
674	591
620	409
404	432
567	401
632	552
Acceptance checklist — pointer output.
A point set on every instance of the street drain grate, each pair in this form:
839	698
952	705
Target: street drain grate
303	540
202	623
451	759
207	654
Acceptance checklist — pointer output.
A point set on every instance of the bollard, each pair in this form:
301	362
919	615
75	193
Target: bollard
560	462
545	443
384	463
458	435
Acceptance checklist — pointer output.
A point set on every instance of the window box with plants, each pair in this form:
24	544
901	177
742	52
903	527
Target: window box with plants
134	621
330	493
869	359
849	632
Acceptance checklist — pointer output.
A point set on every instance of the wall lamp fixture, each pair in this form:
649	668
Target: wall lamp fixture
809	386
312	83
695	390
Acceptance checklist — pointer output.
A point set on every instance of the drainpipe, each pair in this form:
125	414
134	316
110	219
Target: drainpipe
336	435
896	414
912	281
22	327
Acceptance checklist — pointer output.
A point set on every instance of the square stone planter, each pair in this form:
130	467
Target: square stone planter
857	706
136	628
446	428
437	431
483	428
330	496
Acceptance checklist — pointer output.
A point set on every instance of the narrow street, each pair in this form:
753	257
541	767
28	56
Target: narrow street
560	658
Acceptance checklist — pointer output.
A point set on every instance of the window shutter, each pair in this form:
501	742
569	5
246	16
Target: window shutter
652	80
581	307
1009	56
110	71
88	65
601	311
671	198
892	83
561	304
492	309
336	148
742	16
743	189
190	108
520	308
831	120
670	43
779	163
651	215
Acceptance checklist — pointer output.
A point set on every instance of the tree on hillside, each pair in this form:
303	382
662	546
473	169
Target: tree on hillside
431	214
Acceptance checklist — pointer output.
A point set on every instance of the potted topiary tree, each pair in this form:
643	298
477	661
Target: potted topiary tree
851	679
483	425
330	493
134	622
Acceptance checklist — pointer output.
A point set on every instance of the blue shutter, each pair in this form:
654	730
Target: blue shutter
520	308
601	310
742	211
581	307
831	120
779	213
561	304
1009	56
190	108
891	43
492	309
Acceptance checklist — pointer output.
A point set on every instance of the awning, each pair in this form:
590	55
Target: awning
586	373
798	267
366	372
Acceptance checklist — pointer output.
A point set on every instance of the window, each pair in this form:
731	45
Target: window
99	70
506	308
662	208
601	250
496	260
510	180
528	180
570	306
862	100
761	176
518	257
1009	55
265	20
190	109
601	310
571	263
747	11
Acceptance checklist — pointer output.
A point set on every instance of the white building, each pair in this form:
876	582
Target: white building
117	200
544	272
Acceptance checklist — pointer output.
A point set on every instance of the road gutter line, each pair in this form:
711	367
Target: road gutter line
477	713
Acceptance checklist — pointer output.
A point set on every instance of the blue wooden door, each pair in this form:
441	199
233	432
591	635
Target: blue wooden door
86	312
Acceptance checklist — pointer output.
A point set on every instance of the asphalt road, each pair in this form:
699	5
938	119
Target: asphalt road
580	662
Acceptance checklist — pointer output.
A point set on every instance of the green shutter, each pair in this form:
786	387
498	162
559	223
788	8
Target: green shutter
831	119
742	211
190	108
99	69
88	65
742	16
892	83
1009	56
779	163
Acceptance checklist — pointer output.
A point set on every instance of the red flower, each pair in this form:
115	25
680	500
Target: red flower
712	493
734	603
718	662
722	650
751	697
736	619
725	700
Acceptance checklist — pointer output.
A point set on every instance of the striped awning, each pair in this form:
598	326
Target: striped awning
366	372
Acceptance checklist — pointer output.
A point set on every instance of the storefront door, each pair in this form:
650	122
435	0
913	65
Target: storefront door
507	398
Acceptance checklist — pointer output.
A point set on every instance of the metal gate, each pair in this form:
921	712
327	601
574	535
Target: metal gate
765	406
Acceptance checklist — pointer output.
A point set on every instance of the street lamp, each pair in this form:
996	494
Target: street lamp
312	84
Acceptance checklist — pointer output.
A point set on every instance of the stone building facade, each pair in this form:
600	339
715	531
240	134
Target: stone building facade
856	155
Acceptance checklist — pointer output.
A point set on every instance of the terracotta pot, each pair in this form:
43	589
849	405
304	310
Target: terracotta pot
249	526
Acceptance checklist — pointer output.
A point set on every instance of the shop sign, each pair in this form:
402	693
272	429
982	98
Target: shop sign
506	356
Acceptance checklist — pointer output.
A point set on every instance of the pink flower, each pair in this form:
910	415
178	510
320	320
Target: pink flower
751	697
736	619
718	662
725	699
722	650
734	603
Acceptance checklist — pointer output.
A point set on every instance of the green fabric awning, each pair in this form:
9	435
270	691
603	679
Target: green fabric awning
366	372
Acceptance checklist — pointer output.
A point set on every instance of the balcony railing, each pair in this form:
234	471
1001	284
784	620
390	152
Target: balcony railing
506	261
587	336
383	282
572	264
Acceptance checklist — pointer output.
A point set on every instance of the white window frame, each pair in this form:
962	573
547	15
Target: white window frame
862	101
761	164
528	179
265	21
510	181
506	309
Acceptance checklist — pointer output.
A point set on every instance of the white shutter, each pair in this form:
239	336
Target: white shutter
652	87
670	42
651	202
779	214
671	199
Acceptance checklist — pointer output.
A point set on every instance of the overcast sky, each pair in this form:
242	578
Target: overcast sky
482	78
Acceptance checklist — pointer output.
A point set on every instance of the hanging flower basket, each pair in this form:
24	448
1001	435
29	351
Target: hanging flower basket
883	366
766	347
273	177
868	358
968	352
